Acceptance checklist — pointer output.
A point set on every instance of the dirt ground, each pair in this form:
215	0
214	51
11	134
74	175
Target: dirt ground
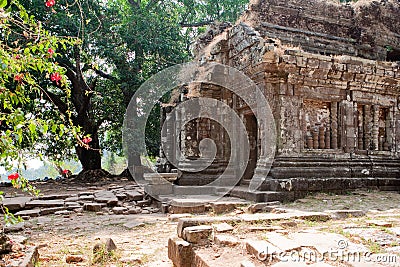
141	239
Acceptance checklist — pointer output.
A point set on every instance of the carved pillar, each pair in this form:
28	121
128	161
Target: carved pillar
334	125
360	128
321	137
315	134
389	129
375	128
327	138
310	143
396	140
348	130
367	127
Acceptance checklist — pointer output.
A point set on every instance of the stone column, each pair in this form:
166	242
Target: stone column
315	134
327	138
349	127
360	128
389	128
367	127
396	140
321	137
375	128
334	125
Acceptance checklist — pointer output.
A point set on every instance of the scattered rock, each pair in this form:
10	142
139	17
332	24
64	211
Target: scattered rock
135	259
343	214
30	213
121	196
31	257
74	259
5	244
63	212
264	206
134	210
119	210
226	240
134	195
106	197
131	225
106	246
95	207
143	203
379	223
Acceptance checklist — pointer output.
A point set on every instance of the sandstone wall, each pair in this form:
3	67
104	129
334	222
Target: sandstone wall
355	91
366	28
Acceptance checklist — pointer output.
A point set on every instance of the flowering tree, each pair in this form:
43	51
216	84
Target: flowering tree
27	60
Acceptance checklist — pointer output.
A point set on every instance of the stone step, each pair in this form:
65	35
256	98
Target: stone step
194	190
281	242
262	250
257	196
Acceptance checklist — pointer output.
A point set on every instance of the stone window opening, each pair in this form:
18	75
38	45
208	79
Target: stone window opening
392	54
321	126
375	128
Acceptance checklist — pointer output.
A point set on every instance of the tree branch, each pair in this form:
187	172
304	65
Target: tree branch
105	75
196	24
56	100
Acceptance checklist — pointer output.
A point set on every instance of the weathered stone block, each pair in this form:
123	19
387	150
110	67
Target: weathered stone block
180	252
313	63
223	207
198	234
266	206
44	203
226	240
16	203
348	76
94	207
222	227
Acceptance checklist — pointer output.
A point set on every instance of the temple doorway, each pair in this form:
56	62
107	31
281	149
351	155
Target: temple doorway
250	122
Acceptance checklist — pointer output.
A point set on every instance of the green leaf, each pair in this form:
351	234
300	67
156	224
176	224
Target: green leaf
3	3
32	128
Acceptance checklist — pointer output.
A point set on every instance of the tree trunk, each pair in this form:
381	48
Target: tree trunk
90	158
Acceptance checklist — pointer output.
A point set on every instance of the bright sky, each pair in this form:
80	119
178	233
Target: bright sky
32	164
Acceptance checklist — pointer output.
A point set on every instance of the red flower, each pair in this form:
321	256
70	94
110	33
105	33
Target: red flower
87	140
55	77
50	51
65	171
19	77
17	57
13	176
50	3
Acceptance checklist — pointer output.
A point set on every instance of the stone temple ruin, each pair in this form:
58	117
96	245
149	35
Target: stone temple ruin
331	75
